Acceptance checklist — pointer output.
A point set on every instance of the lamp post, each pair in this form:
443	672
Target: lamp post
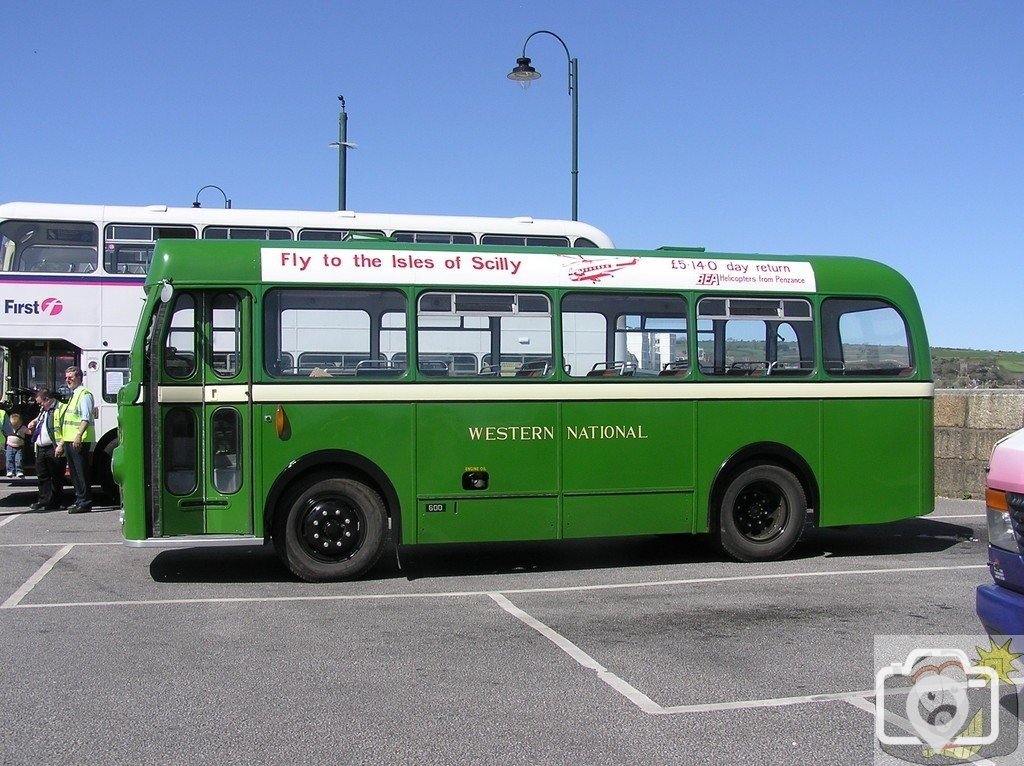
227	202
343	145
524	74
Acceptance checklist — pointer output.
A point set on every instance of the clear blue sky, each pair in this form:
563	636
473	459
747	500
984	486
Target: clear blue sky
880	129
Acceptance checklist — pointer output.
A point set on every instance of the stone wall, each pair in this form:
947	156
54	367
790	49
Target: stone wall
967	425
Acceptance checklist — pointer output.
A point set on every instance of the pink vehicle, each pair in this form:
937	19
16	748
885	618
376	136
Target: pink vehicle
1001	606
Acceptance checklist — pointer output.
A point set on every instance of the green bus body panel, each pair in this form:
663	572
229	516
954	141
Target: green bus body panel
381	433
489	519
627	514
872	475
569	468
726	427
129	465
627	445
515	442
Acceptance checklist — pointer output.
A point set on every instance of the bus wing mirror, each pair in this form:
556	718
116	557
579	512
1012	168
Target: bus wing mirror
166	291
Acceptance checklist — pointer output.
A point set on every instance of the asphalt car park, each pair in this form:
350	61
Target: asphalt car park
645	650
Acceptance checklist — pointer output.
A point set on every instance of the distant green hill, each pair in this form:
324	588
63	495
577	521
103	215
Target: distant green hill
973	368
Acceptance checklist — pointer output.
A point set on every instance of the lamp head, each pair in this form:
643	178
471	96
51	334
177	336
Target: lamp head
523	73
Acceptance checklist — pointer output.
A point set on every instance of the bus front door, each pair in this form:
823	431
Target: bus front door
203	413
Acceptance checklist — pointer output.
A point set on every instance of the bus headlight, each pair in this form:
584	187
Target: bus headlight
1000	523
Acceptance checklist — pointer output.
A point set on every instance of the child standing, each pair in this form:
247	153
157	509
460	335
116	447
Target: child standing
15	433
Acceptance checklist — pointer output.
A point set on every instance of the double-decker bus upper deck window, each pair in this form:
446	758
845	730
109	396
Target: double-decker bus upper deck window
334	333
464	334
606	336
433	238
755	337
336	235
865	337
57	247
523	241
128	248
246	232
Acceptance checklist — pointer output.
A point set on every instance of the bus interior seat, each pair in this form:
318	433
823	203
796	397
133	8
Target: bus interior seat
535	368
674	370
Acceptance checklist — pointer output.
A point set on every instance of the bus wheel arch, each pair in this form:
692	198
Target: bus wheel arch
341	464
773	473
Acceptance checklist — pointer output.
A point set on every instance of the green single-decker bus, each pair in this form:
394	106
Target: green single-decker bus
325	397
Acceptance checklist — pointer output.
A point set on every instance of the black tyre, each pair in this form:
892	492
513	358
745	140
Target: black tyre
102	474
762	513
330	529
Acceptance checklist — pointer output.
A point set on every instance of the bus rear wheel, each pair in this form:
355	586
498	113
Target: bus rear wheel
330	528
761	514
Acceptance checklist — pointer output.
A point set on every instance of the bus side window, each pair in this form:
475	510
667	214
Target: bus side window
755	337
55	247
620	335
116	373
865	337
489	335
334	333
180	343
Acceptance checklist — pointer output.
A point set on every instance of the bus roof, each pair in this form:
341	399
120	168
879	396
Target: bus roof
190	262
317	219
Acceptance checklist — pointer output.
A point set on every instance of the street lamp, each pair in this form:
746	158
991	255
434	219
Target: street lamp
524	74
342	145
227	202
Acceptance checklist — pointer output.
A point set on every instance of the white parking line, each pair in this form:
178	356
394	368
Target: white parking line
32	581
868	706
956	516
637	697
9	518
634	695
466	593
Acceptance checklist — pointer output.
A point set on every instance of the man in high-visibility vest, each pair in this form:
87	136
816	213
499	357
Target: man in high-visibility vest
76	434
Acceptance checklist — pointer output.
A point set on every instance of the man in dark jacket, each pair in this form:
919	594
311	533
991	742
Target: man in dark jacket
49	467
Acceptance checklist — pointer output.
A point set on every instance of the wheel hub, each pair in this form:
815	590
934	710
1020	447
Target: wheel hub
332	529
761	512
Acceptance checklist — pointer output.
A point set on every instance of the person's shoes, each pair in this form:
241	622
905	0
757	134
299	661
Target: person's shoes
37	507
21	476
79	508
10	476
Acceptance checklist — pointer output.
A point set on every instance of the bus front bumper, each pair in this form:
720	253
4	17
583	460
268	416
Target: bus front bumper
1000	610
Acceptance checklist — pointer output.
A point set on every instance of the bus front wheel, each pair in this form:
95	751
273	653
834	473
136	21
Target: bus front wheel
762	513
330	528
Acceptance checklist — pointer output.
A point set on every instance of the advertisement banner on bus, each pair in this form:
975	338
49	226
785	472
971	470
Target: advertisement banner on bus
532	269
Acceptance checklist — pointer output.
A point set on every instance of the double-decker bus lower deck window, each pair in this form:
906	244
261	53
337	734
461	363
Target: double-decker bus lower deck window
116	373
53	247
464	335
865	337
607	336
755	337
334	333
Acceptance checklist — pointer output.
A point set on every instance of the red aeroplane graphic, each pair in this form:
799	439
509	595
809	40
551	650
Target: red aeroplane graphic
583	269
